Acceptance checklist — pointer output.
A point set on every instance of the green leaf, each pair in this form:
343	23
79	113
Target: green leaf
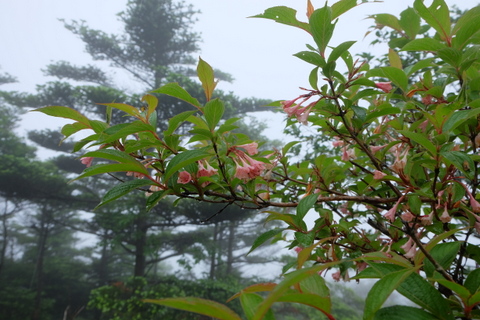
198	305
342	6
322	27
397	76
258	287
313	78
309	299
451	56
250	302
289	280
283	15
123	130
459	117
183	159
152	103
421	140
389	20
402	313
71	128
123	189
424	44
112	154
437	16
444	254
422	64
394	59
264	237
175	121
115	167
410	22
213	111
207	78
458	159
339	50
64	112
174	90
305	239
128	109
306	204
311	57
462	292
419	291
381	290
472	283
466	28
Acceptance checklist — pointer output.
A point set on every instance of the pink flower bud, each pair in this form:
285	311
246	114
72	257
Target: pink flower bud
377	175
336	276
87	161
385	86
298	249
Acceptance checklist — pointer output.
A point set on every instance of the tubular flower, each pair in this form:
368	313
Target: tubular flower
205	172
297	110
247	168
445	217
251	148
384	86
87	161
184	177
390	215
411	252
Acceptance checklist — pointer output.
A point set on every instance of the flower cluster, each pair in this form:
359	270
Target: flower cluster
247	168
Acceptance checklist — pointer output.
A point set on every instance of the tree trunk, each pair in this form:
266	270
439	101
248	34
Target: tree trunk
43	231
213	255
230	247
140	244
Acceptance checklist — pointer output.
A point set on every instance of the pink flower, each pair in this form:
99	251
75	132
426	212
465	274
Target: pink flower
385	86
408	216
297	110
411	252
377	175
348	154
338	142
474	204
205	172
251	148
336	276
445	217
427	220
87	161
247	168
184	177
298	249
376	148
408	245
400	162
477	226
390	215
361	266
